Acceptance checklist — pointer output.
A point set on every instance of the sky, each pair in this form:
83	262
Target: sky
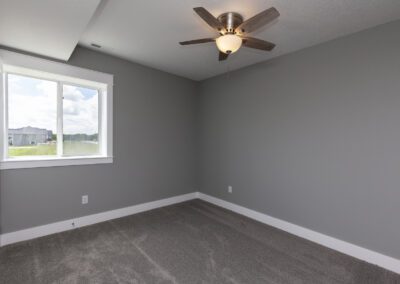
33	102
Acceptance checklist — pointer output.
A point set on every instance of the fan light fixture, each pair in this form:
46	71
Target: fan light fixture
229	43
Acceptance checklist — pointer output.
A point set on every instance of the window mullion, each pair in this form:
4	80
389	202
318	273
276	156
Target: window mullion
60	147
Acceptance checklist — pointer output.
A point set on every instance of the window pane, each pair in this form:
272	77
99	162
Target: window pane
80	121
32	116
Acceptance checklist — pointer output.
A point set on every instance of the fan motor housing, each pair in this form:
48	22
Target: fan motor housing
231	21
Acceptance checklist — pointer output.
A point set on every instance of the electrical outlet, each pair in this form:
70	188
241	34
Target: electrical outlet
85	199
230	189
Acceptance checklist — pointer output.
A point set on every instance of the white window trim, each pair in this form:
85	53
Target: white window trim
36	67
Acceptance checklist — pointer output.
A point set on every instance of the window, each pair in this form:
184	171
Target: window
80	121
53	118
32	116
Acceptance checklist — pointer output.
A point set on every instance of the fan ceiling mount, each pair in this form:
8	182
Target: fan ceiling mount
233	30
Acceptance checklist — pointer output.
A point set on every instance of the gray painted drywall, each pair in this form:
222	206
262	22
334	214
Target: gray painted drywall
312	138
154	118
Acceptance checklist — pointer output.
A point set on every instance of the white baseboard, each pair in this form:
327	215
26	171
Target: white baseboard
367	255
57	227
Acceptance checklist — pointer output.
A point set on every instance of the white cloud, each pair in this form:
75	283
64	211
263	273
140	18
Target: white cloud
80	111
33	107
72	93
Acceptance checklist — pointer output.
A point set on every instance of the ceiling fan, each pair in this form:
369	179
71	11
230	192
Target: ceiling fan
233	31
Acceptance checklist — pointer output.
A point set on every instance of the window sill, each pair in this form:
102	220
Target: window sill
36	162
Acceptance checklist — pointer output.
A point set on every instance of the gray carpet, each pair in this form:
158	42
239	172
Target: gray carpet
191	242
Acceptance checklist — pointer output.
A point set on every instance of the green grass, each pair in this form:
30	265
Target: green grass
37	150
71	148
77	148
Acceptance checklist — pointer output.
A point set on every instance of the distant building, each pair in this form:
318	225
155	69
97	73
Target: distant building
28	136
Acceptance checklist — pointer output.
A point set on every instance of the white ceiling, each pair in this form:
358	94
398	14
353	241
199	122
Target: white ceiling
148	31
50	28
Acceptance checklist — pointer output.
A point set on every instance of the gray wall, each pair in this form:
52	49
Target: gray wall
312	137
154	140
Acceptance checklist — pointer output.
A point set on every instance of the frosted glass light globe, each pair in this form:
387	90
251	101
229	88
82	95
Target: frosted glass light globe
229	43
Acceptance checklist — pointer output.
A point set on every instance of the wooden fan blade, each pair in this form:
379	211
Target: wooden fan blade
222	56
257	43
195	41
258	20
209	18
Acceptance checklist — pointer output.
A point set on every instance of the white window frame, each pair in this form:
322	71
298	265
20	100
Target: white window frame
15	63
